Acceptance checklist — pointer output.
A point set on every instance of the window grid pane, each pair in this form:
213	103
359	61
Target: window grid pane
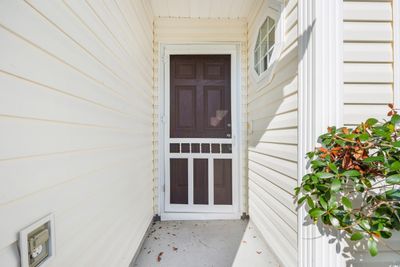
264	46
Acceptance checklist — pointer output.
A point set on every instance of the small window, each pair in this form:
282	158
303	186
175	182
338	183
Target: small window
264	46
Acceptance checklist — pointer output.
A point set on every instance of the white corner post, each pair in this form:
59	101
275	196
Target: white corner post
320	105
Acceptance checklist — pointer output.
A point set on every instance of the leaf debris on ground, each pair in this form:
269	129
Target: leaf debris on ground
159	256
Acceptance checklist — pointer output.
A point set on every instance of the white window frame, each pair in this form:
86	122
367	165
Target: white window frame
274	10
259	44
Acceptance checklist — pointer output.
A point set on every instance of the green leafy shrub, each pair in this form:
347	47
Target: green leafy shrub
354	181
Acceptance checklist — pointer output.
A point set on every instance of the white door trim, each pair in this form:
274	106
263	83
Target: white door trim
218	211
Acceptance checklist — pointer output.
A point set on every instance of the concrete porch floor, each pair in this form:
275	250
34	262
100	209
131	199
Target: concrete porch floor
203	243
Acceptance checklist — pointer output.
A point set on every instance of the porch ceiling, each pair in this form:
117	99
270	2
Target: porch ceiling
204	8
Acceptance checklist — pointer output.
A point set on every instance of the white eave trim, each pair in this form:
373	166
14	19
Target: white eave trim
320	105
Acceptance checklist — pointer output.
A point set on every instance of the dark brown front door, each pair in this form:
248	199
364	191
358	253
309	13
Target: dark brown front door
200	129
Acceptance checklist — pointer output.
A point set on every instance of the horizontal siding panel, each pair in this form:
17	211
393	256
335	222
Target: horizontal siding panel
282	86
270	231
354	114
278	210
70	195
286	120
279	107
281	180
284	229
368	73
368	93
9	256
368	52
53	73
367	11
280	165
26	99
286	75
29	175
367	31
291	19
282	136
288	152
41	137
273	190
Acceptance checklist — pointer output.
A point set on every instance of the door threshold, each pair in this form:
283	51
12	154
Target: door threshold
189	216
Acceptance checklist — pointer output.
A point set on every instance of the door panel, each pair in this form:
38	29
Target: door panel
200	181
222	181
179	181
200	85
186	108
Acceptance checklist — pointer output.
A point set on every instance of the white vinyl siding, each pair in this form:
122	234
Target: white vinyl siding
194	30
272	156
368	84
76	126
368	59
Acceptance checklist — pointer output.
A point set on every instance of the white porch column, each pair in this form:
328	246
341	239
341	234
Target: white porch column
320	105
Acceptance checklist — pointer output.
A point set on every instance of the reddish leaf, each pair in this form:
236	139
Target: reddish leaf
159	256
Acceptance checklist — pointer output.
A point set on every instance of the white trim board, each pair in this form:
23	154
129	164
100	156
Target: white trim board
232	49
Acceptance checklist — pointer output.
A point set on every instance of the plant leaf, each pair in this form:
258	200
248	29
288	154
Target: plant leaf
336	184
395	119
310	202
301	200
373	247
396	144
347	203
357	236
393	179
374	159
333	167
393	194
351	173
334	221
324	175
395	166
316	212
371	121
363	137
323	203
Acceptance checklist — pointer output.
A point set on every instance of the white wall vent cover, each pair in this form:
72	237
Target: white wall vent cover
37	243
